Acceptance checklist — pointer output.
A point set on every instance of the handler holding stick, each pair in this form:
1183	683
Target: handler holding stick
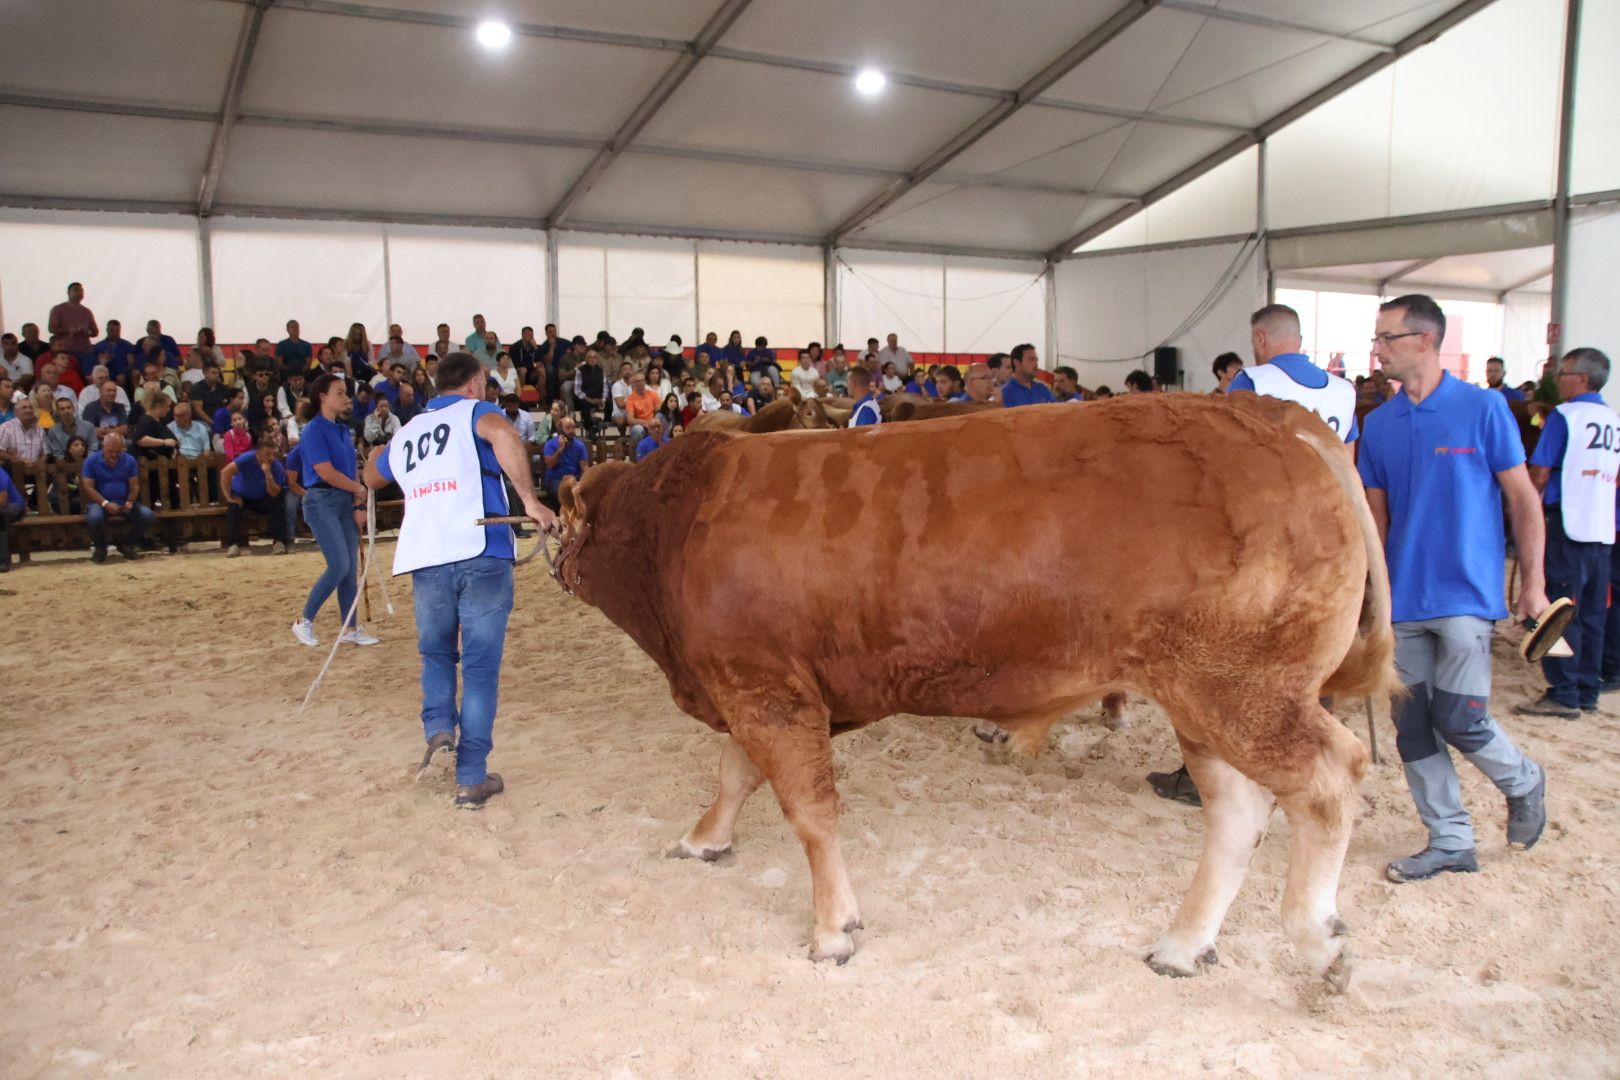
449	462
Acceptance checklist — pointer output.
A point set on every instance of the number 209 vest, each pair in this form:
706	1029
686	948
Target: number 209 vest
434	459
1335	403
1591	460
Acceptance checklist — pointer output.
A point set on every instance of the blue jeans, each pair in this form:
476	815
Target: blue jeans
1579	570
329	512
470	601
140	518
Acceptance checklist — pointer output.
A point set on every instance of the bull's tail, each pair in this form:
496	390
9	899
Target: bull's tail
1369	667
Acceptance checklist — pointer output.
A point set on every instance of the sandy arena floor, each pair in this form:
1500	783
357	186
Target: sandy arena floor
200	882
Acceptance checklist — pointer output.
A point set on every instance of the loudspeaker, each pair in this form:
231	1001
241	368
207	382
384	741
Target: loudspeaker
1167	365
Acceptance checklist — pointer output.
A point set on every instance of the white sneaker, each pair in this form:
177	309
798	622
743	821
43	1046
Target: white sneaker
232	552
356	635
304	631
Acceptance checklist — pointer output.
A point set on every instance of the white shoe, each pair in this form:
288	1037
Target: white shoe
304	631
356	635
232	552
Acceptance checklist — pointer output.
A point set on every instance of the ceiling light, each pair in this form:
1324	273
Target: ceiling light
494	35
870	82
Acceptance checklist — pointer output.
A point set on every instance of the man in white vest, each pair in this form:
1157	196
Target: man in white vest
450	462
1575	467
1281	370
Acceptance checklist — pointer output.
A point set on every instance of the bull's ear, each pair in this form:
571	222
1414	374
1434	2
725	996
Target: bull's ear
568	499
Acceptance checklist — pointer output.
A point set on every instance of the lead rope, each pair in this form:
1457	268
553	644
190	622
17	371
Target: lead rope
348	618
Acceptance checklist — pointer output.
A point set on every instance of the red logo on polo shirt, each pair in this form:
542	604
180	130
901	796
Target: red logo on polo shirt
1456	450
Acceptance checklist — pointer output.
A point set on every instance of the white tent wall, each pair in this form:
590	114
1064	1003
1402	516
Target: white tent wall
1398	144
438	274
940	303
1595	165
325	274
134	267
1113	310
1524	335
1591	316
772	290
617	283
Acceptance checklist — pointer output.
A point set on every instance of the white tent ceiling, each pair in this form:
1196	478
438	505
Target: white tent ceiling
1488	275
1009	126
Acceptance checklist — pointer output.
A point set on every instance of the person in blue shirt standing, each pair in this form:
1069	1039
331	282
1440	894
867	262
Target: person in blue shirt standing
1494	370
334	508
866	410
1436	460
452	463
1575	466
1024	388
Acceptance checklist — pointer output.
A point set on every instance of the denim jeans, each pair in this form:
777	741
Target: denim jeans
271	506
140	518
462	603
329	512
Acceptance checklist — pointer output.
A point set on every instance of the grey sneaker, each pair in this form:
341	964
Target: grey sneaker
1527	815
1429	862
1547	705
233	551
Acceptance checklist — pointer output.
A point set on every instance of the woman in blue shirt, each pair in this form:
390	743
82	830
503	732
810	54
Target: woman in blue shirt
334	506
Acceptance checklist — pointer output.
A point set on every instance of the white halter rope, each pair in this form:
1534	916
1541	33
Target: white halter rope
348	616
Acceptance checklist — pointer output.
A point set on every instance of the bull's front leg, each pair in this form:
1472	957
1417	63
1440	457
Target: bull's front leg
710	838
793	748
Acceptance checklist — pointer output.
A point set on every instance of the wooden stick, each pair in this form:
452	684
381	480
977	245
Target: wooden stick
511	519
365	582
1372	733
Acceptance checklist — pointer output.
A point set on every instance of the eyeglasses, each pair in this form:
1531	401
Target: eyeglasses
1385	339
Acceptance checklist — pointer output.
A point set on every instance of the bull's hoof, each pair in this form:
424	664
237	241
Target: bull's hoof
838	947
1162	962
994	734
1337	973
686	850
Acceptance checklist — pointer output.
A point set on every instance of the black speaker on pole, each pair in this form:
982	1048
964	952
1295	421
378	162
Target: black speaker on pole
1167	366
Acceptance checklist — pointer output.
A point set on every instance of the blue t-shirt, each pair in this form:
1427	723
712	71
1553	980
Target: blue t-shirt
1296	366
112	481
498	539
1512	393
867	411
8	486
1550	451
647	446
119	354
222	419
1436	462
960	397
328	441
295	463
572	462
249	479
1013	394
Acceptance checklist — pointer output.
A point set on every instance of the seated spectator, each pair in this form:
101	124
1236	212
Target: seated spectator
693	408
761	362
396	352
92	392
193	438
1024	388
8	396
293	427
711	392
44	397
670	411
565	454
640	406
513	407
236	402
111	487
156	338
443	346
293	353
388	384
167	379
106	414
151	436
948	380
621	391
1102	393
654	439
657	381
255	481
763	394
361	409
980	384
808	371
191	369
211	394
118	355
891	378
22	440
64	490
12	507
67	365
13	364
709	353
289	396
921	383
730	404
838	373
1226	367
238	440
67	428
31	345
407	409
492	391
1066	384
505	374
1139	382
381	425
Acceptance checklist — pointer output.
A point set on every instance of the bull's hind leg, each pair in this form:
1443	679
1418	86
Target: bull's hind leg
710	838
1320	801
1236	810
1027	737
791	744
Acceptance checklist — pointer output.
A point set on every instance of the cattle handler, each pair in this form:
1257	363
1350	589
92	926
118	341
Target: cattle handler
450	462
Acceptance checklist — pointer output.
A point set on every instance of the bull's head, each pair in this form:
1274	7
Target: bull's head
575	501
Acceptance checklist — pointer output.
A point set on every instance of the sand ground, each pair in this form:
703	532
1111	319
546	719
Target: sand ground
199	881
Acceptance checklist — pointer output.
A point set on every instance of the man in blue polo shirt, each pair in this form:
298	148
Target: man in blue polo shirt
655	438
1575	465
110	484
1024	388
256	481
565	454
1494	370
1436	460
866	409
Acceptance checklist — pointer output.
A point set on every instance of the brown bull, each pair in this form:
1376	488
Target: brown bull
1215	556
780	415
